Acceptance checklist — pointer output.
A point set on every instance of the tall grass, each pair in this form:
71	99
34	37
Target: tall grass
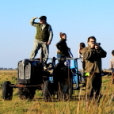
76	106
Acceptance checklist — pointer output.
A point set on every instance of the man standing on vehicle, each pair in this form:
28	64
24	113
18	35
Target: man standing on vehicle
93	66
43	38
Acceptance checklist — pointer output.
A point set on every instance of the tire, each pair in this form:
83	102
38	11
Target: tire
47	91
7	91
26	93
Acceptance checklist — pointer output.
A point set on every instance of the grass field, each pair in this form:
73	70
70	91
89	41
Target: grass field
38	106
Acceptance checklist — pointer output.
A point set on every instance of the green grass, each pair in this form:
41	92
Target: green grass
38	106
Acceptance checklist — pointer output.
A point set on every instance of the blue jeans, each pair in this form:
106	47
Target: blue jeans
58	55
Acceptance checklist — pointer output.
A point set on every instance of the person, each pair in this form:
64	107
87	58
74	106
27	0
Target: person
63	49
112	66
43	38
80	56
81	46
62	46
93	67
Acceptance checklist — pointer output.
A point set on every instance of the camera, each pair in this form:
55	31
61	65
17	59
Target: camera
98	44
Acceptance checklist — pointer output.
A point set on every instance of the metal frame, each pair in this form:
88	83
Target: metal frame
75	67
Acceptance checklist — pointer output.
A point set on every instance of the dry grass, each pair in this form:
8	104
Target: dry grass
38	106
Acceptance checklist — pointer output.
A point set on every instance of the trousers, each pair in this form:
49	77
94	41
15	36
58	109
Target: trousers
44	50
93	86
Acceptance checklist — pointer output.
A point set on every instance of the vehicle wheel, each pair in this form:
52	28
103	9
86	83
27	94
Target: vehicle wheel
31	93
26	93
47	91
7	91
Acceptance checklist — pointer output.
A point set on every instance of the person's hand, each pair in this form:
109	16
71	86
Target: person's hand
48	43
58	50
35	17
96	47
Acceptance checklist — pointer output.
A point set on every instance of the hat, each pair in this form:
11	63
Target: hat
43	17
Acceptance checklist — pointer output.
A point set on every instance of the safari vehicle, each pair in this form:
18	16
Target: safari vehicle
55	79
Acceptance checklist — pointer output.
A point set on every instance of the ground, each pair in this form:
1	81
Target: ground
38	106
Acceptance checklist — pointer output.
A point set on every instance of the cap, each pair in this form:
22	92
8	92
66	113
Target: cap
43	17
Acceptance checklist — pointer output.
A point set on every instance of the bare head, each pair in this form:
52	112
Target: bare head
91	40
63	35
112	52
82	45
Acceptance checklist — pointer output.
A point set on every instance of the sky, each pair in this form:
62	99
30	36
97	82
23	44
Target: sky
79	19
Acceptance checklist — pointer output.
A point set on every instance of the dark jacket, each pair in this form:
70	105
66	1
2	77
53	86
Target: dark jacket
62	46
92	59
